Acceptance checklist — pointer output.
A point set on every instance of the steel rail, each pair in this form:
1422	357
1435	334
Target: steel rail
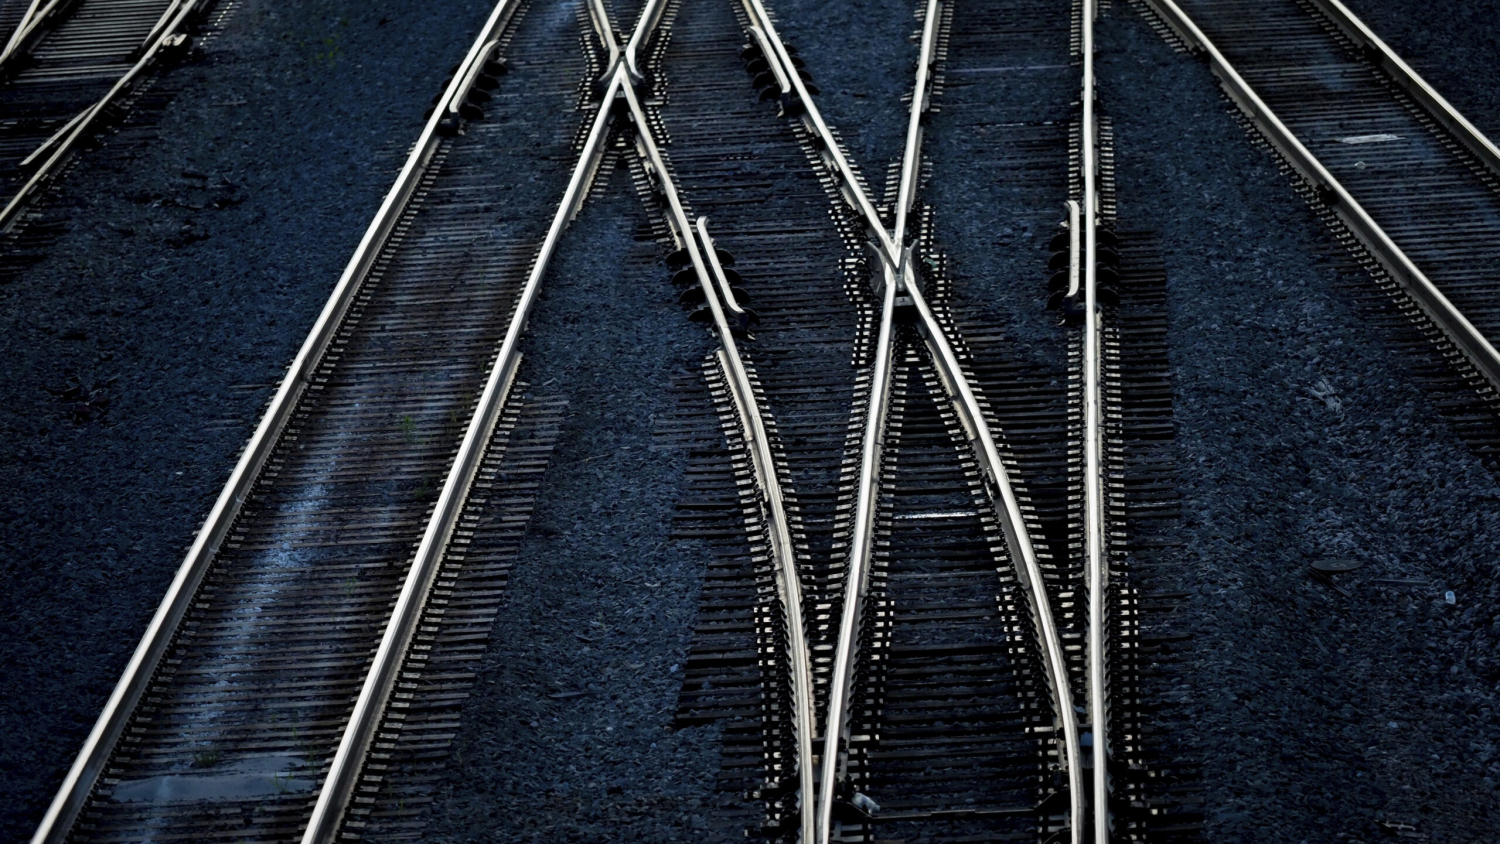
161	22
862	544
650	17
23	28
343	774
1023	554
772	503
729	303
1093	441
857	575
1469	340
30	22
46	145
100	744
63	142
1415	85
921	100
966	407
599	16
833	155
776	70
380	680
783	553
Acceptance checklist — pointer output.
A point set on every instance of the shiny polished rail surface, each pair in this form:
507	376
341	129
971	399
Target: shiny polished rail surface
164	628
33	22
921	376
896	269
62	79
734	161
1413	83
330	811
623	76
1432	228
1095	531
967	713
895	280
723	305
380	678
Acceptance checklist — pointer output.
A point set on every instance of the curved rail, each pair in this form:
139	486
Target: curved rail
720	299
650	17
788	584
374	698
897	281
1473	344
83	774
339	785
965	405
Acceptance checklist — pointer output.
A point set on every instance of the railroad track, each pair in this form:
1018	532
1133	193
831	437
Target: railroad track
945	666
1405	181
68	68
924	617
290	582
285	513
320	493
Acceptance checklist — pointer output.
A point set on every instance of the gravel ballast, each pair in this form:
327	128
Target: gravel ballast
861	57
1452	44
193	267
195	263
567	734
1302	438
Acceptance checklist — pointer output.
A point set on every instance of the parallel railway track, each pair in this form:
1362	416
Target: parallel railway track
313	518
924	605
1409	183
